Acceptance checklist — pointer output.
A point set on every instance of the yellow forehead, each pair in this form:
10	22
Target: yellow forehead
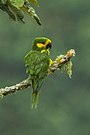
48	41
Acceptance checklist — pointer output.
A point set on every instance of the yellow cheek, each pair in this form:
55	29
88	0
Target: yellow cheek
40	45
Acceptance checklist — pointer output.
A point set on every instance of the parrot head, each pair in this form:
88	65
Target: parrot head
41	44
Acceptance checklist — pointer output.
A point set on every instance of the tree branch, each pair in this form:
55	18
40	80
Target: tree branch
57	64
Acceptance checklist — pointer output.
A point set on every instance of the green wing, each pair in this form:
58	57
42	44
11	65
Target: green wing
37	64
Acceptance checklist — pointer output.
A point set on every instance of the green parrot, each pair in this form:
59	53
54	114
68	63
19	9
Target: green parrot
37	62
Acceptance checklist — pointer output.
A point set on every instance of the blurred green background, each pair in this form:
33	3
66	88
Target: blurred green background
64	107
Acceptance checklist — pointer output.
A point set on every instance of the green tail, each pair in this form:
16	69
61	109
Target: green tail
35	97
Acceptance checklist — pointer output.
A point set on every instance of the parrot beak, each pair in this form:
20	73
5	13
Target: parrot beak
48	46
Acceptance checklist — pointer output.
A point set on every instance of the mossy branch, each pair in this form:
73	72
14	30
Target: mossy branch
59	62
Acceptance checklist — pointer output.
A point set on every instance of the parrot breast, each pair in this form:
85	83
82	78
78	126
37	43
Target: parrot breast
37	64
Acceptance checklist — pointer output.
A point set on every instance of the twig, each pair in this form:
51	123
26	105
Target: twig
58	63
12	89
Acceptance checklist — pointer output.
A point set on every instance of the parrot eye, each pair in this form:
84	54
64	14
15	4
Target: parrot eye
48	46
43	42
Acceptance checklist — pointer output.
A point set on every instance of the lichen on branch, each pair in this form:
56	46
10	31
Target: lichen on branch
61	61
